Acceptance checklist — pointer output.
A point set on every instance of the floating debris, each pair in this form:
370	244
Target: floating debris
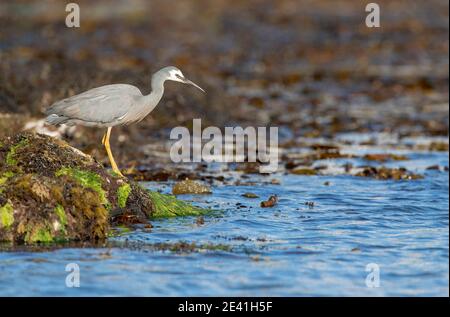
304	171
388	173
438	146
200	221
385	157
272	201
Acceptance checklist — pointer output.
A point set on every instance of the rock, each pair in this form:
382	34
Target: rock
272	201
50	192
325	147
190	187
384	157
250	195
200	221
388	173
248	167
275	181
438	146
304	171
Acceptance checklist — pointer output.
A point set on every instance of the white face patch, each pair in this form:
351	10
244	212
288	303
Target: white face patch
173	74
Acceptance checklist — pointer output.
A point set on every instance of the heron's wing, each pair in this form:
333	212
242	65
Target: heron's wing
101	105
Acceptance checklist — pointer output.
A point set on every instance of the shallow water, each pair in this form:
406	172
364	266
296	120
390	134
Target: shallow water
291	249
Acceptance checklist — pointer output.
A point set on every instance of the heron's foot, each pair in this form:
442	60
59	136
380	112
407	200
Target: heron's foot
117	171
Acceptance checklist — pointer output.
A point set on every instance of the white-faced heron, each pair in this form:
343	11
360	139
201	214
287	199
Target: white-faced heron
112	105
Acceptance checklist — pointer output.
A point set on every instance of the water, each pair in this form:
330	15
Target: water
291	249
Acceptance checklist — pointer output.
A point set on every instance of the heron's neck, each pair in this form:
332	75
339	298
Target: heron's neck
157	90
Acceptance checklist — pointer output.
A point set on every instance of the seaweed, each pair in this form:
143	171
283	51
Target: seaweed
51	192
170	206
87	179
122	195
6	215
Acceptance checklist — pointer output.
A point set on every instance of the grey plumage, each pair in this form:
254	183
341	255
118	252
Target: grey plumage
112	105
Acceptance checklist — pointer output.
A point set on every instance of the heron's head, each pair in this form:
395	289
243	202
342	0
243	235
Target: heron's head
173	73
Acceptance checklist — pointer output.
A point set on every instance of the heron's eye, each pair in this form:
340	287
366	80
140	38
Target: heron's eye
179	76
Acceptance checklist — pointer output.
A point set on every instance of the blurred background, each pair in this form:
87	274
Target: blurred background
363	117
312	68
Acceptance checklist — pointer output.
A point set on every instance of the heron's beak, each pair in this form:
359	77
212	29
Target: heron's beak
187	81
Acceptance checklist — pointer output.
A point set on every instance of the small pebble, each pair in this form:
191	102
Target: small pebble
250	195
200	221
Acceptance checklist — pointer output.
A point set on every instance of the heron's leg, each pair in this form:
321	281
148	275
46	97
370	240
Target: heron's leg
104	138
108	150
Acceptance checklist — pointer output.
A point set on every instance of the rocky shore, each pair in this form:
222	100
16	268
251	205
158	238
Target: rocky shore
50	192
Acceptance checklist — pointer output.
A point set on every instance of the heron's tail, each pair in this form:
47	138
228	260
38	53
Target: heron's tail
54	119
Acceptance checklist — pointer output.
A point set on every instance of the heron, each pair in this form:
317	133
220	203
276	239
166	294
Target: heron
112	105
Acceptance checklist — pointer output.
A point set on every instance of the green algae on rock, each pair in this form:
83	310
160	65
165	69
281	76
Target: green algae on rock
86	179
51	192
122	195
6	215
10	157
169	206
4	177
59	210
